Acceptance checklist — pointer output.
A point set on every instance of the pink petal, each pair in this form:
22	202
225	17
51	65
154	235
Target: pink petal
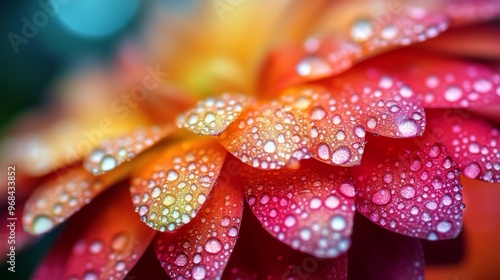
377	253
335	136
471	140
258	255
168	191
310	209
60	197
113	153
411	187
381	103
201	249
267	136
103	242
441	82
213	115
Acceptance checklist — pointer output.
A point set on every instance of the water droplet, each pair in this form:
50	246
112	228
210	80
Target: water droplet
305	234
323	151
120	266
431	205
474	148
90	275
389	32
269	146
371	123
213	246
42	224
119	241
313	67
453	94
95	247
317	113
108	163
408	192
156	192
361	31
338	223
232	232
447	200
199	272
341	155
408	128
472	170
347	189
315	203
290	221
169	200
172	175
181	260
225	221
381	197
443	226
332	202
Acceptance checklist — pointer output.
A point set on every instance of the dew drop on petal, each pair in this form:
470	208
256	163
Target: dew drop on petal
381	197
408	128
213	246
269	146
199	272
338	223
108	163
453	94
42	224
472	170
341	155
181	260
443	226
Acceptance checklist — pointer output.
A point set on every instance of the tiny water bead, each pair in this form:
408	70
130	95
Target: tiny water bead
175	186
213	115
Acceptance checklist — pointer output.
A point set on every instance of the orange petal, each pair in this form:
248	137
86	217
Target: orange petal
168	192
112	153
267	136
336	137
201	249
103	242
58	199
213	115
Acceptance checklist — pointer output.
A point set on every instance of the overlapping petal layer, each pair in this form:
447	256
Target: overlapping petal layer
268	135
310	209
201	249
169	191
411	187
213	115
473	142
103	242
112	153
258	255
60	197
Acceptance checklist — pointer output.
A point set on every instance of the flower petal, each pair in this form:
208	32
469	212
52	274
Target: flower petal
310	209
267	136
441	82
201	249
411	187
471	140
380	254
213	115
381	103
59	198
258	255
335	136
13	235
103	242
113	153
168	192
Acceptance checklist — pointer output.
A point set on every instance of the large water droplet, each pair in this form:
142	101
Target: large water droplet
199	272
269	146
213	246
453	94
381	197
341	155
408	128
108	163
42	224
181	260
338	223
443	226
361	31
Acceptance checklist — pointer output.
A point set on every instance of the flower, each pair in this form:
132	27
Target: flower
377	122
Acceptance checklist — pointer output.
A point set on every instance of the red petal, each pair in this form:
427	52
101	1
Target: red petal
258	255
60	197
213	115
380	254
411	187
168	192
104	241
310	209
381	103
471	140
335	136
201	249
114	152
267	136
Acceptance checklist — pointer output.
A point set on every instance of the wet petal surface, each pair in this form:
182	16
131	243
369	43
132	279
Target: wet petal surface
411	187
213	115
103	242
112	153
201	249
473	142
310	209
267	136
168	192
